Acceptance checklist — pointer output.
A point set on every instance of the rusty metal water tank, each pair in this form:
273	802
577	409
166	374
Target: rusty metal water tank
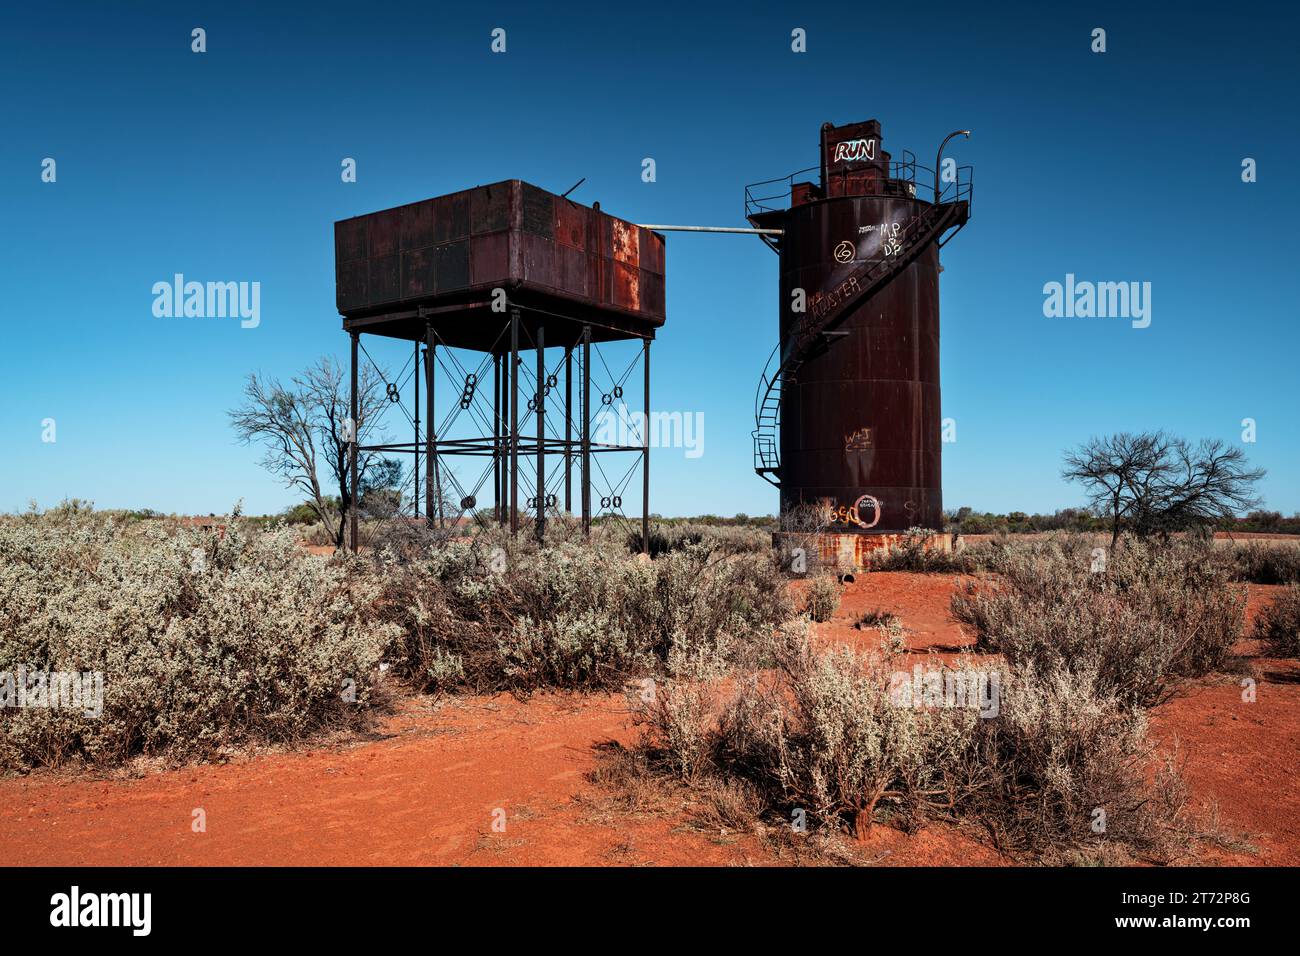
848	414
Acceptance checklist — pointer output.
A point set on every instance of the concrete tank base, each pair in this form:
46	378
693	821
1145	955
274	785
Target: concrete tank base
849	551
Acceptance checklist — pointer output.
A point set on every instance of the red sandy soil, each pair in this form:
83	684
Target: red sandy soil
424	789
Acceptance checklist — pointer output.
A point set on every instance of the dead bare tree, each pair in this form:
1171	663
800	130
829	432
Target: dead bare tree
1153	483
1206	482
303	427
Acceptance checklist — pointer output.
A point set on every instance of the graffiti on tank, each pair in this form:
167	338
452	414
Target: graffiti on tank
864	506
890	238
855	150
888	246
859	453
823	302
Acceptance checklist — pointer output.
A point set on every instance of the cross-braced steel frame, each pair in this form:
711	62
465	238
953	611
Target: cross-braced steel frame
505	441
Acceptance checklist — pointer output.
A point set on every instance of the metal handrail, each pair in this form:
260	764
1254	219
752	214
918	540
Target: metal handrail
772	195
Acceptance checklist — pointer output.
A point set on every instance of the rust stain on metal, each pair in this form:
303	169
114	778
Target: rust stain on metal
849	550
548	252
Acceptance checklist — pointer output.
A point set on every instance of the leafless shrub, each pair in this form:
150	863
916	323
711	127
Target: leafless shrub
805	518
877	618
720	539
1156	484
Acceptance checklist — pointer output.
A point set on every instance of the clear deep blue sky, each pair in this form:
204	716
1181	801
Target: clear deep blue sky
1122	166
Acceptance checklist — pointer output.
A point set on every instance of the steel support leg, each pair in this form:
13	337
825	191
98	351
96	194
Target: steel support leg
568	429
352	450
541	432
586	432
430	448
645	461
496	437
415	470
514	421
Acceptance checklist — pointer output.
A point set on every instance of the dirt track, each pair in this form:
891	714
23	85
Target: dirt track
425	790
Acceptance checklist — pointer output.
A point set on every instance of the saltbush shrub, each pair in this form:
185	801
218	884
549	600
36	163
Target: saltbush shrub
1276	563
206	641
1137	619
823	598
496	614
1064	767
1051	768
1278	624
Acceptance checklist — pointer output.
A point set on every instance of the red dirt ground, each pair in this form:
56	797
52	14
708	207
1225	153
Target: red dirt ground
424	790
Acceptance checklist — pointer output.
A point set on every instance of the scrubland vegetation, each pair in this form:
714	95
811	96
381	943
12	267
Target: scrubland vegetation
1134	620
1278	625
217	639
207	640
212	639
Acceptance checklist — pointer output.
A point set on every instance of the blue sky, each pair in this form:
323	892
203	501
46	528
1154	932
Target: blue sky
1122	166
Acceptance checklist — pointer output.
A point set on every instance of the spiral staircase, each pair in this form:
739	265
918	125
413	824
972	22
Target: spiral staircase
819	328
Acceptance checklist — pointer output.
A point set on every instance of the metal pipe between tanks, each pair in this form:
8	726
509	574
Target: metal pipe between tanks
746	232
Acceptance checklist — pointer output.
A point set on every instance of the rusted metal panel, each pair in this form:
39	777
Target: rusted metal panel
418	224
545	250
571	224
801	193
352	240
384	282
488	258
652	292
538	211
572	266
450	217
625	245
652	251
627	286
489	208
539	264
419	272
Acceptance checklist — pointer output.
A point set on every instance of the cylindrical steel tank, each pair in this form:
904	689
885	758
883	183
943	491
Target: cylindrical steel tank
861	421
